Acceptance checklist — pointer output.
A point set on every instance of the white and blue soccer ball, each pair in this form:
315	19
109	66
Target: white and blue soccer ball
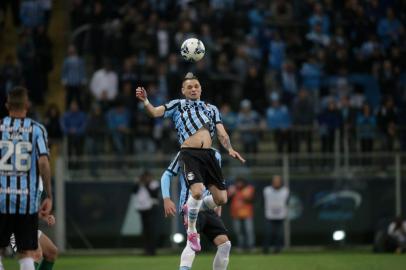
192	49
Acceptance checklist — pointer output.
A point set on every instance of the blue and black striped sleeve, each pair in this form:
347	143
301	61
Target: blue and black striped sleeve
174	167
41	142
168	175
216	115
171	107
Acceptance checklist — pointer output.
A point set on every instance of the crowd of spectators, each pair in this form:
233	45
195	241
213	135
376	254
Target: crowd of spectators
299	69
32	61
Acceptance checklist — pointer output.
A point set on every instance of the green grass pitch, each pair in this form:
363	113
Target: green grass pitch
285	261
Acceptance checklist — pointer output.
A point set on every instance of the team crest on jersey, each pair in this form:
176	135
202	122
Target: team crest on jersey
190	176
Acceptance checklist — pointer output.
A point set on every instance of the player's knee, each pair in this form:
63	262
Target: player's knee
36	255
197	191
221	200
52	253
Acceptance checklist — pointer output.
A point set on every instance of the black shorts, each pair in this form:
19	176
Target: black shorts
210	224
199	165
24	227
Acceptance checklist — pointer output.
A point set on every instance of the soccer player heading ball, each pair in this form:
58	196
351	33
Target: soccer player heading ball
196	122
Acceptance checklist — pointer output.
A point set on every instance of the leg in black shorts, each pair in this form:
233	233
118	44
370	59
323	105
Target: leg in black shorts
211	225
199	165
25	229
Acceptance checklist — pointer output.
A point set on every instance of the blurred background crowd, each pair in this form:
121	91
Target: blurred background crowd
294	71
289	76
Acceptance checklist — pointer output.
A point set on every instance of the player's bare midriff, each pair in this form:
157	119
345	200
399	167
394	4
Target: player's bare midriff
201	139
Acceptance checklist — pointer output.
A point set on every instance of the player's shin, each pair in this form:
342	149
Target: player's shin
193	206
222	256
187	258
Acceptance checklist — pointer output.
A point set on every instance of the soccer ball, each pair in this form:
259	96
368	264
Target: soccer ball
192	49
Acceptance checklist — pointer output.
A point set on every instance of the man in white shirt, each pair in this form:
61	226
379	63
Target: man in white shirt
276	209
104	83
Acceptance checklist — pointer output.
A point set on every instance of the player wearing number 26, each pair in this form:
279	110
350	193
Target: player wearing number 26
23	161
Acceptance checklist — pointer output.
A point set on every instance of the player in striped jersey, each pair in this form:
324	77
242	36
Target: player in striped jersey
24	158
47	252
208	223
196	123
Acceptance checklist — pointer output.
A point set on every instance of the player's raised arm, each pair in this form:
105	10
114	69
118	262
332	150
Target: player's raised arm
141	94
226	143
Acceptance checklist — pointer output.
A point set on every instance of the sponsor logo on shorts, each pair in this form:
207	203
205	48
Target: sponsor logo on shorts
190	176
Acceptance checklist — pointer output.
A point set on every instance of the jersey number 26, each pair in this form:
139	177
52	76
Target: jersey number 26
22	151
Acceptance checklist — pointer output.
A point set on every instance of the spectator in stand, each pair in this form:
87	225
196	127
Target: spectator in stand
229	118
128	74
279	121
366	128
389	28
27	61
43	51
349	118
52	124
143	127
276	211
73	76
303	116
281	10
97	19
118	121
277	49
254	88
248	122
32	14
241	195
330	123
10	73
47	8
311	73
95	137
320	18
73	124
104	83
386	119
388	79
289	82
317	37
127	96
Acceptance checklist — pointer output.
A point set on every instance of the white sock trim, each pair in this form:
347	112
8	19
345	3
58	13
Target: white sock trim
209	203
27	263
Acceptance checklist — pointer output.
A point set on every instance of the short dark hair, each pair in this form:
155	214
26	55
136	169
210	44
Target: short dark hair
16	98
189	76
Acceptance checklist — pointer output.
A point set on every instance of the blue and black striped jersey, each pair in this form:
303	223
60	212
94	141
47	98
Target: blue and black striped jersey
191	115
23	141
